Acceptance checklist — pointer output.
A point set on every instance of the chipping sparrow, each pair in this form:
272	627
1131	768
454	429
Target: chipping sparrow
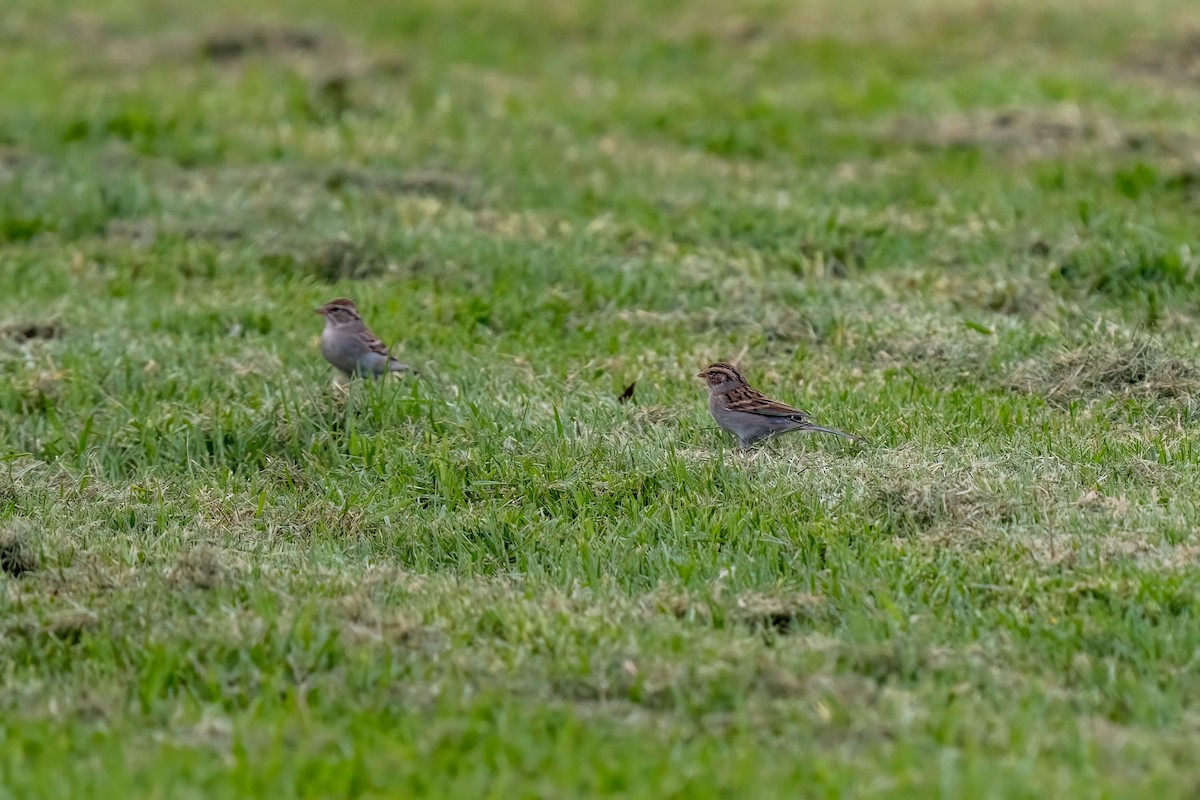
749	414
349	345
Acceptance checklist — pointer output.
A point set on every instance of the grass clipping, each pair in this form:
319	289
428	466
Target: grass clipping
1138	368
18	551
942	503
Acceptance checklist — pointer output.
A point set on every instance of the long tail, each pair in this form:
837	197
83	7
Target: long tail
819	429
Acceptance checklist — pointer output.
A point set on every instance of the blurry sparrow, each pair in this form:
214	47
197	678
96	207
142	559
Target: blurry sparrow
749	414
349	345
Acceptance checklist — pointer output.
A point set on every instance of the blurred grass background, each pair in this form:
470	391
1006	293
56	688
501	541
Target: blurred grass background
963	229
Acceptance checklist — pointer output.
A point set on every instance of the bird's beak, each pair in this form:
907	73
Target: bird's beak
700	375
320	311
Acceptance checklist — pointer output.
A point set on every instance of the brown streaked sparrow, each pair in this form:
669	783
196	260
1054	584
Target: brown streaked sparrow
749	414
348	344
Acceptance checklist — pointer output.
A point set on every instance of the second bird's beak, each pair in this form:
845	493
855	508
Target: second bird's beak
320	311
701	375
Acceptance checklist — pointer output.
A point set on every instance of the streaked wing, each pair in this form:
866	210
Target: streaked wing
752	401
373	342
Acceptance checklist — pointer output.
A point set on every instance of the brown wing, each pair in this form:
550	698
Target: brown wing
374	343
751	401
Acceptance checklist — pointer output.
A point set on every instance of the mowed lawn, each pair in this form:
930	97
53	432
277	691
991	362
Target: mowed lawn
966	230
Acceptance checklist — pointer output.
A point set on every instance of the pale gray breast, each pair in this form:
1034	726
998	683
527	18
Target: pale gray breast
342	348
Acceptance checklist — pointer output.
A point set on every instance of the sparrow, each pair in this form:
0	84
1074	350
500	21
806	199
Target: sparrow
348	344
749	414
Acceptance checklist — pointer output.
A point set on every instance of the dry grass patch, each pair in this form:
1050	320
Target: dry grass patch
342	259
1103	529
331	261
232	47
144	232
1176	61
937	502
39	390
237	43
656	416
447	186
202	568
1036	133
18	548
26	331
780	612
64	626
777	612
1018	297
964	355
1140	367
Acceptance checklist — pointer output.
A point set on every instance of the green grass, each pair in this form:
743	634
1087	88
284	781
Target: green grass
965	230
